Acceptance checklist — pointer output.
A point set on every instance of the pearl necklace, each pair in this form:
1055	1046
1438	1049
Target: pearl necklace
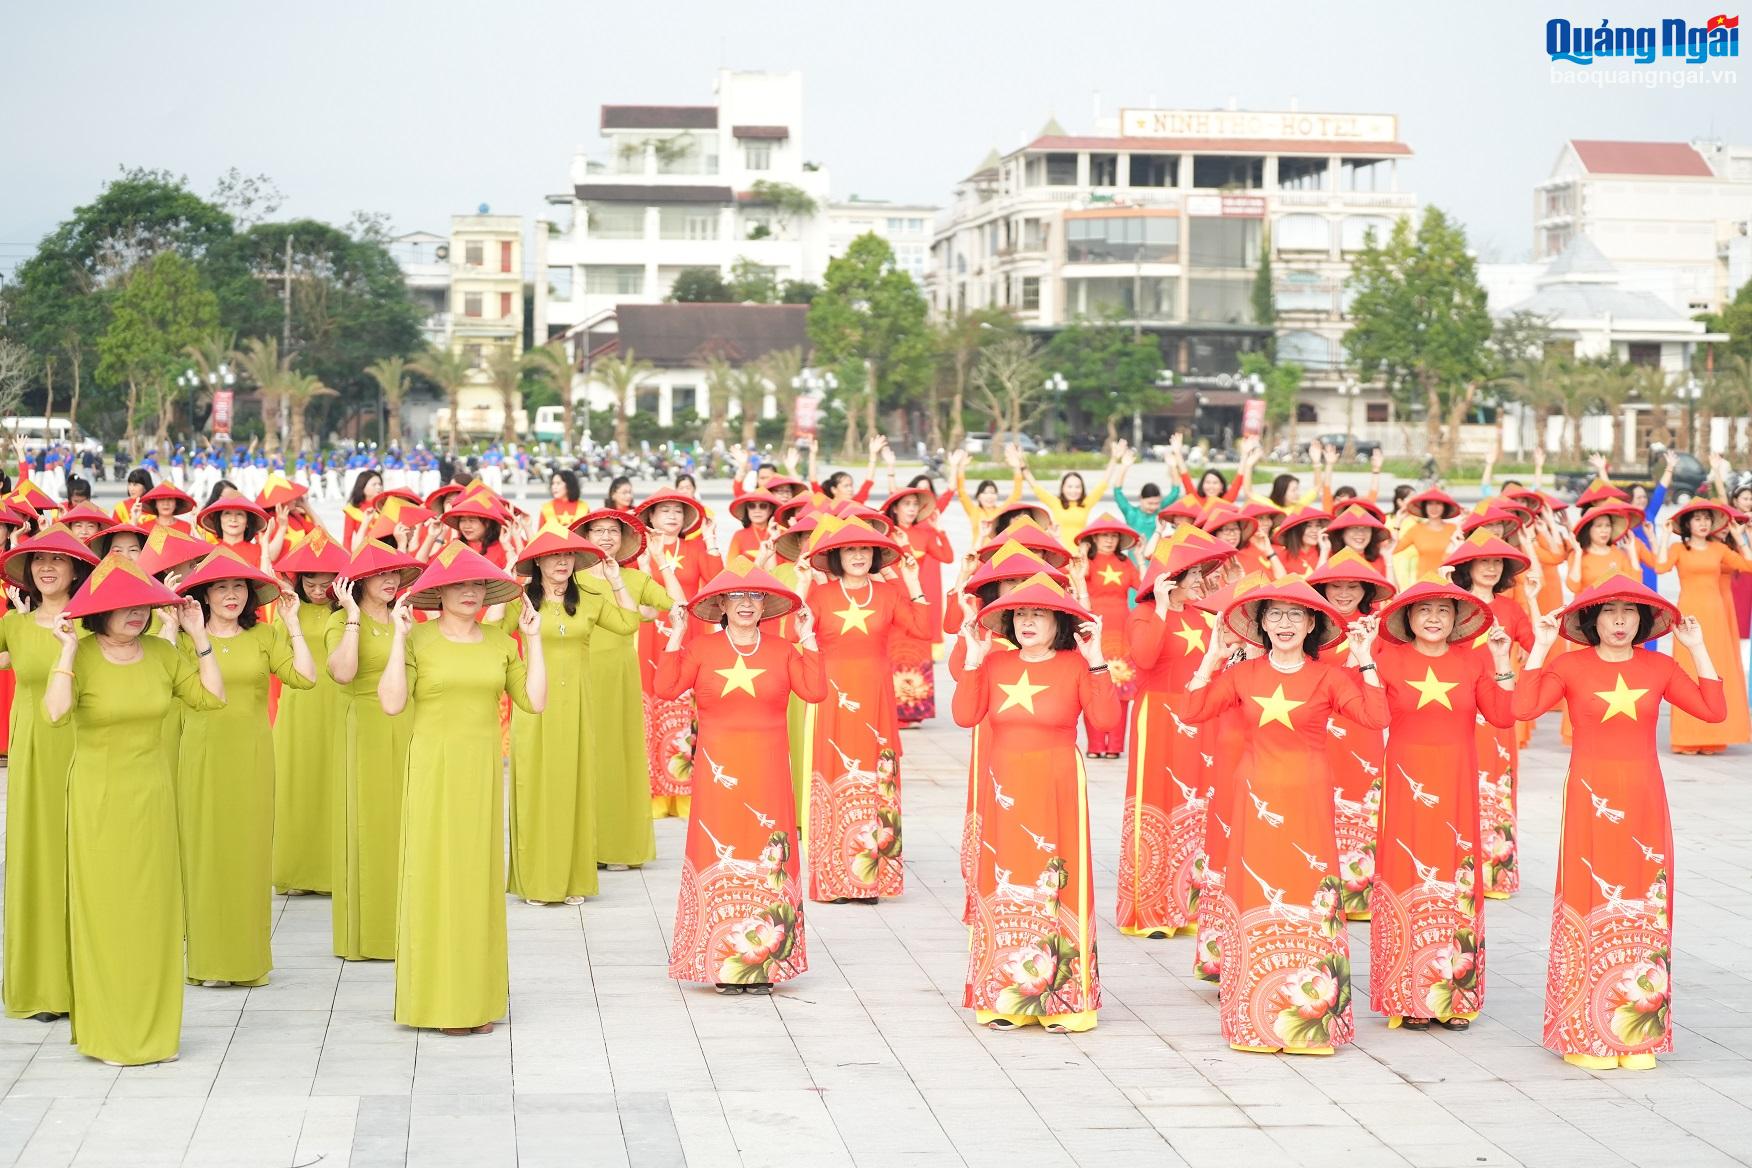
1286	668
738	648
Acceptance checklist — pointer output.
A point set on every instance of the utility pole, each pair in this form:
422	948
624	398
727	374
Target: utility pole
286	336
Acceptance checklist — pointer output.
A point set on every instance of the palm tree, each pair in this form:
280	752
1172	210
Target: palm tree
1728	393
750	388
505	371
1653	387
782	369
261	363
720	384
553	364
449	372
1534	384
213	354
622	376
1613	385
391	376
300	390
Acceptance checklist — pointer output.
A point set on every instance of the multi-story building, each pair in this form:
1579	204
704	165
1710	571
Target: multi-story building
683	186
906	226
1664	205
486	312
424	259
1160	220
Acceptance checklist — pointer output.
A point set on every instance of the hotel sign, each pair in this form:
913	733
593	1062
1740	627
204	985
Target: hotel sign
1292	125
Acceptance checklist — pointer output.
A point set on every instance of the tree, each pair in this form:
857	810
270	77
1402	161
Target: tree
1110	371
209	358
1728	393
391	376
749	387
1653	387
552	365
750	283
17	367
1010	380
699	286
1283	387
1533	381
621	376
449	372
1420	324
720	385
1735	319
300	389
870	311
1264	296
505	371
787	201
264	365
782	368
957	343
798	291
163	308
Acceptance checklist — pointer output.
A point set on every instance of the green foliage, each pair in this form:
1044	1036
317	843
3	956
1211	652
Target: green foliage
1110	371
751	283
699	286
798	291
1735	319
788	202
1264	300
1283	385
163	309
870	310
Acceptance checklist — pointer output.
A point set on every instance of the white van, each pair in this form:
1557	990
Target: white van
39	432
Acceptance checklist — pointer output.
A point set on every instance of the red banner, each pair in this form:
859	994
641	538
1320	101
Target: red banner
1253	417
807	415
222	399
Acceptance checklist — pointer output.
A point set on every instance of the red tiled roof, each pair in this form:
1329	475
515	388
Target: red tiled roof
1673	158
659	117
1219	145
769	133
607	192
688	335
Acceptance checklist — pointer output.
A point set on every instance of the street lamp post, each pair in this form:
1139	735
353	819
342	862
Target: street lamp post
812	384
1691	391
190	380
1054	384
1349	389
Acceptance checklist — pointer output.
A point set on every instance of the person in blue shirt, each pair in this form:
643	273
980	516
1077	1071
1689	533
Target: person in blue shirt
1650	502
1141	515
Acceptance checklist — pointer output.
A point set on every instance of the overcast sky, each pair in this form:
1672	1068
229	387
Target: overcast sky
424	109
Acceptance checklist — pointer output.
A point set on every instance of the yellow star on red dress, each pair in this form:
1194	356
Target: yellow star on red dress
1110	575
1020	693
738	677
1620	699
1277	707
856	617
1432	689
1194	638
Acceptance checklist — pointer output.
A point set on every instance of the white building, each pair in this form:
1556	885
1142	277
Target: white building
1669	205
679	187
424	259
1160	218
906	226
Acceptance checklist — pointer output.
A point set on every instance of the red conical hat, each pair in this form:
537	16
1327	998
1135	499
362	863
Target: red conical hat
1622	517
55	539
168	548
1242	616
555	540
100	543
738	507
277	489
208	519
1038	591
800	503
312	551
1189	547
1353	514
222	563
780	483
789	543
377	501
456	563
1031	536
1499	515
1618	586
1351	566
117	582
166	490
375	557
86	513
1679	521
1481	545
1186	509
696	511
851	533
1021	508
1011	562
1263	512
1298	517
444	492
1109	525
868	516
396	507
1419	505
1601	491
1471	615
39	499
742	576
632	531
1340	506
1536	499
474	503
1220	515
927	501
12	518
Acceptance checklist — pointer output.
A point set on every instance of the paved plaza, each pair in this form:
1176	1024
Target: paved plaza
869	1059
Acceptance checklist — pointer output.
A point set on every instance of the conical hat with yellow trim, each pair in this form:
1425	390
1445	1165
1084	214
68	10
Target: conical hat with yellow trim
117	582
312	551
456	563
277	489
740	575
1038	591
1471	615
168	548
556	539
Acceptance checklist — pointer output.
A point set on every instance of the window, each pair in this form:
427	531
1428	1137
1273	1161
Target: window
504	255
687	222
1061	170
1306	414
559	282
471	304
1644	353
1365	174
475	355
1308	349
1030	294
1227	172
1302	292
504	305
473	253
895	226
1220	301
1154	170
1355	228
614	280
1302	233
1375	411
685	154
1103	170
681	402
915	225
647	400
1122	238
1225	243
758	156
1301	174
1034	235
758	225
1120	295
615	221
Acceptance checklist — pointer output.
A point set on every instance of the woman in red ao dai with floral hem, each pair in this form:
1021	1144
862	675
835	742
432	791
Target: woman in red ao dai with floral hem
1426	933
1608	982
1285	956
1031	952
739	915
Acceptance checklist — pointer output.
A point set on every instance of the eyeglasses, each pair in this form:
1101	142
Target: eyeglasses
1283	616
736	596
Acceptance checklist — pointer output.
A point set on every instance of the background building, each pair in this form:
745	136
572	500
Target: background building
907	227
681	187
1668	206
486	314
1160	219
424	259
